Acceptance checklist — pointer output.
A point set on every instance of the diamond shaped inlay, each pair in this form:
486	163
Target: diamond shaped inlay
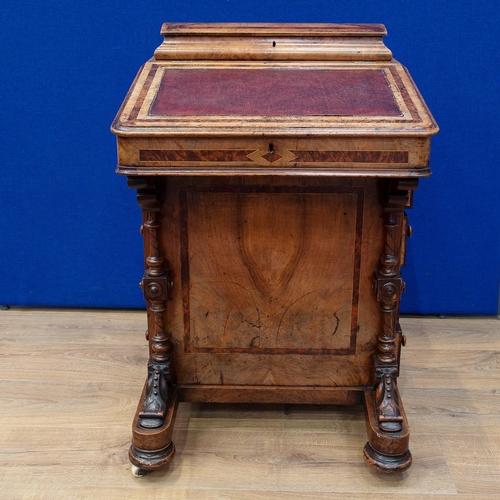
266	158
272	156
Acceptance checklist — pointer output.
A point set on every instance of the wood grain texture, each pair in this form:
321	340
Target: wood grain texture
279	245
66	438
243	41
270	156
273	271
197	155
275	156
351	156
252	29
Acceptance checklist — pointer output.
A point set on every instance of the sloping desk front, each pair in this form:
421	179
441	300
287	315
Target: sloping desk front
273	165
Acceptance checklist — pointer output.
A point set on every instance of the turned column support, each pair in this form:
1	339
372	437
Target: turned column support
153	425
387	449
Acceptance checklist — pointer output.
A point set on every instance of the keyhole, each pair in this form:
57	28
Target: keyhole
271	148
274	44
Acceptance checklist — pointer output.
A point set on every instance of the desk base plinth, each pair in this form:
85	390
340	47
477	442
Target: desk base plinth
385	451
153	448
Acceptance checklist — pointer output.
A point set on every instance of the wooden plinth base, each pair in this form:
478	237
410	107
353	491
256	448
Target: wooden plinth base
386	451
386	463
151	459
153	448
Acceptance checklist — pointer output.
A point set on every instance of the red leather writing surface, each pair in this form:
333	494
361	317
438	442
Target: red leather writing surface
274	92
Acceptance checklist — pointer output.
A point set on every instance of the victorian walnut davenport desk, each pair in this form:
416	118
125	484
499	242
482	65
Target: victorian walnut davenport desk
273	165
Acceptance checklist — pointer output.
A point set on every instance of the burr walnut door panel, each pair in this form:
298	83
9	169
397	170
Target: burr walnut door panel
271	282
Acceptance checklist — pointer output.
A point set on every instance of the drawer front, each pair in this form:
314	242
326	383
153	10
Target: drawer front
275	156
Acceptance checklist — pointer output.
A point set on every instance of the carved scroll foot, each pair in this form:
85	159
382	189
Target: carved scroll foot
387	400
152	447
157	396
389	437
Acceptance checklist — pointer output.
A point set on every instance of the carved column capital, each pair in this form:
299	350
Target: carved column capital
147	194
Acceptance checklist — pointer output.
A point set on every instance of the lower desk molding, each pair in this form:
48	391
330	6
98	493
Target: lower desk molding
271	394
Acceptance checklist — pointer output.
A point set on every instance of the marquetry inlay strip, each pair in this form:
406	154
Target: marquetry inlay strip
202	155
351	156
267	157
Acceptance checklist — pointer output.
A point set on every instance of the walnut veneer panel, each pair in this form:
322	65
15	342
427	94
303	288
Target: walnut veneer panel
389	157
270	287
292	42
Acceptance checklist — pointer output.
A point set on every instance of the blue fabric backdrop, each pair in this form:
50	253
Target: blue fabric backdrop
69	225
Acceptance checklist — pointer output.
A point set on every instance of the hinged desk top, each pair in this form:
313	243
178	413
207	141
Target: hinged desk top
286	82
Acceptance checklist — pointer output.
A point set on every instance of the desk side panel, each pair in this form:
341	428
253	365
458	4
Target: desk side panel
272	281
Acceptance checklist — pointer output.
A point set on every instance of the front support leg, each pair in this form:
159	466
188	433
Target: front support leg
388	431
152	428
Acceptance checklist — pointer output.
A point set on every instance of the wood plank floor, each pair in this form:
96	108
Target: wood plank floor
70	381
